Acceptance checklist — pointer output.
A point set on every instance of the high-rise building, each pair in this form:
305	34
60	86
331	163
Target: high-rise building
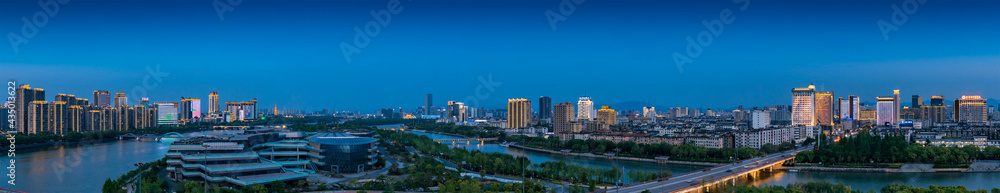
607	115
884	114
970	109
74	118
563	117
166	113
804	106
428	103
937	100
518	113
189	110
120	99
760	118
213	103
102	98
585	108
457	111
917	102
240	111
867	113
824	108
849	108
544	108
24	98
895	103
38	117
57	117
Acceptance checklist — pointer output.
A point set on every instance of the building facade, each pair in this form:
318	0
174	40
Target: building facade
518	113
804	106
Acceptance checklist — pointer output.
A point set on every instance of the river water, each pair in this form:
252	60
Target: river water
857	181
84	167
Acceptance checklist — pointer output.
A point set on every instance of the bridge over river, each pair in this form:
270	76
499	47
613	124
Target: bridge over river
697	180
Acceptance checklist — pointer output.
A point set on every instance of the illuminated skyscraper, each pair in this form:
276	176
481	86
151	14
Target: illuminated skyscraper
849	108
970	109
936	111
563	117
38	117
24	97
884	113
74	118
824	108
895	103
102	98
166	113
120	99
804	106
585	108
57	117
607	115
189	110
213	103
240	111
518	113
917	102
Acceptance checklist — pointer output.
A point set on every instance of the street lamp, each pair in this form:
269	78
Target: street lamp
139	186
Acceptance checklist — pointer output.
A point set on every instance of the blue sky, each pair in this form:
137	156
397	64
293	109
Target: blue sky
288	53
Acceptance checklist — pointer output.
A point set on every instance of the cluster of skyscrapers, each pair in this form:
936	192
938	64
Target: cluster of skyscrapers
67	113
814	108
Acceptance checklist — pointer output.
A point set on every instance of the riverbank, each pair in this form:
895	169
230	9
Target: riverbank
984	167
616	157
108	138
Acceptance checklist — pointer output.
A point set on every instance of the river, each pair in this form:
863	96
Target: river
83	167
858	181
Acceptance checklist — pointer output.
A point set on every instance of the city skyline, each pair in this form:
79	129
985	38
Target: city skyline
751	63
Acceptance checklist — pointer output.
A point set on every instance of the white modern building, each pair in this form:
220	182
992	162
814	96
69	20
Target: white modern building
804	106
760	118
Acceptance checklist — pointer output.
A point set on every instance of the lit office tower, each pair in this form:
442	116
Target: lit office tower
544	108
82	102
849	108
970	109
585	108
24	97
166	113
102	98
884	113
38	117
917	102
239	111
804	106
69	99
563	117
120	99
895	103
213	103
518	113
189	110
936	111
824	108
607	115
144	101
456	111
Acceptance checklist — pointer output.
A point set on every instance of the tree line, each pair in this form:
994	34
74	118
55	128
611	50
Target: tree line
867	148
829	187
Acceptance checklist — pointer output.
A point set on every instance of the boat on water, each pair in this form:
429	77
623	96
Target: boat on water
793	170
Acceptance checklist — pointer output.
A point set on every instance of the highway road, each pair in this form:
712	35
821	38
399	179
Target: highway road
693	179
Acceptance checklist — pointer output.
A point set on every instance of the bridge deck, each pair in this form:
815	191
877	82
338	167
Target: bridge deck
695	180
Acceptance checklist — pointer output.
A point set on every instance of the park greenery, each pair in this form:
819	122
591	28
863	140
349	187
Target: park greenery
505	164
150	181
829	187
866	148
